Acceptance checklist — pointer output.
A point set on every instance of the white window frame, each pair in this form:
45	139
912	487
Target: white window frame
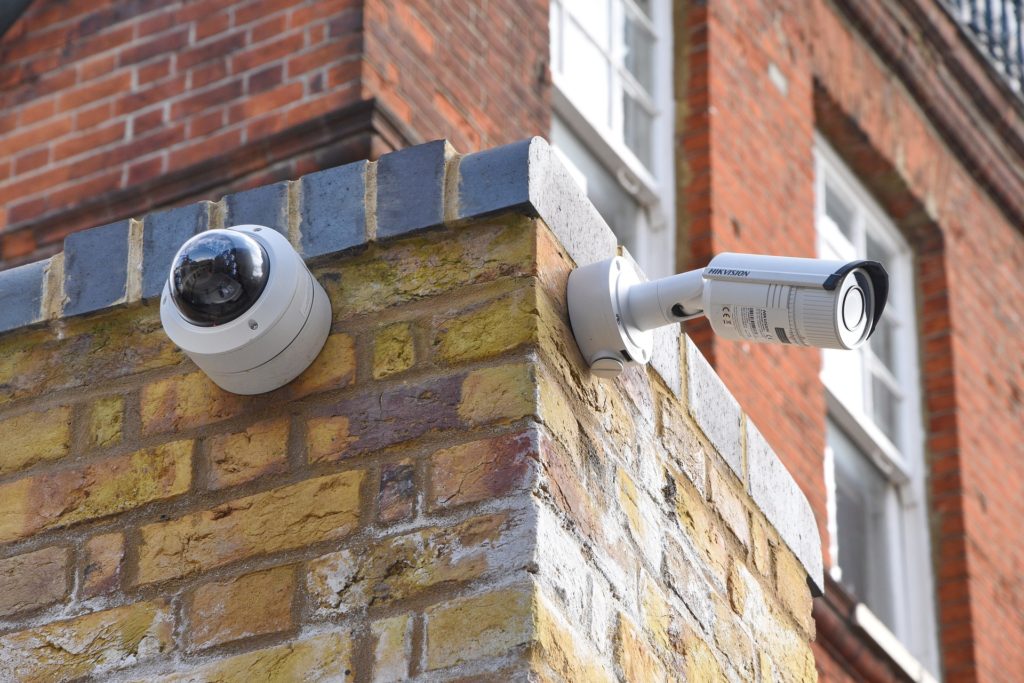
652	187
910	573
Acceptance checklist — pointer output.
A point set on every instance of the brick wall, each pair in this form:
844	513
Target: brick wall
115	107
896	89
444	494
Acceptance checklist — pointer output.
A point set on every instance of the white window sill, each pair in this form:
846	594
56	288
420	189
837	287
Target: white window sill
873	627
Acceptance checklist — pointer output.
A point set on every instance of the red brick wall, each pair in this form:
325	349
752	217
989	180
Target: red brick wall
747	185
474	72
101	95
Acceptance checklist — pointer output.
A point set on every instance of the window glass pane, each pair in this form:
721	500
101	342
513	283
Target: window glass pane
643	5
594	17
876	252
639	57
839	211
586	75
861	491
882	343
885	408
638	125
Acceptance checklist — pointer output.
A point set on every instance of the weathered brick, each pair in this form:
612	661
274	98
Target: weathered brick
105	422
34	437
482	470
185	401
504	393
695	517
284	518
106	487
701	664
728	502
334	367
392	649
567	654
793	591
487	625
250	605
636	659
239	457
396	497
114	344
34	580
488	329
372	420
104	555
404	566
325	657
641	517
393	350
90	644
426	266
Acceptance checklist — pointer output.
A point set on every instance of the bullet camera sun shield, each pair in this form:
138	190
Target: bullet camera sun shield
242	305
774	299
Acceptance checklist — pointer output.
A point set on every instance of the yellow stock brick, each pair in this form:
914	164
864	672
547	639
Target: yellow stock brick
760	547
334	368
243	456
250	605
404	566
569	657
33	580
696	520
326	657
84	350
481	470
701	664
635	657
288	517
392	649
106	419
728	502
489	329
419	267
733	640
107	487
393	350
91	644
184	402
657	614
791	584
505	392
737	589
327	437
35	437
480	626
103	557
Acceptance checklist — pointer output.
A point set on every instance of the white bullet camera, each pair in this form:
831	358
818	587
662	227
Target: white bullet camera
242	304
806	302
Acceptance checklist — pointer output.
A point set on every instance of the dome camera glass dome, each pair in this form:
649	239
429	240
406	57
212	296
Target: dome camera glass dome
218	276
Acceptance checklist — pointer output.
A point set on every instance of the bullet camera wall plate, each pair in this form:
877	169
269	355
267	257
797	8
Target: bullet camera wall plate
270	343
598	296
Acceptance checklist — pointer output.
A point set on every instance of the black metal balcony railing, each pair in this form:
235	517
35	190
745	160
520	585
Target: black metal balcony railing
997	27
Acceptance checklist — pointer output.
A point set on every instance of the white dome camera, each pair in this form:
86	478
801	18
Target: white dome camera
775	299
241	303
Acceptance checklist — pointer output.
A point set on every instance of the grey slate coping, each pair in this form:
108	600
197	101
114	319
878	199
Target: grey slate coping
21	295
413	189
162	233
95	268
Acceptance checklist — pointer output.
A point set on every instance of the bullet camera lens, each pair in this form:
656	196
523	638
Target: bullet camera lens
218	276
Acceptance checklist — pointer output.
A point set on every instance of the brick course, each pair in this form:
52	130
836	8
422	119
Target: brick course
445	493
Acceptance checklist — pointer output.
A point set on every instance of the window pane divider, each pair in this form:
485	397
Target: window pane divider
885	456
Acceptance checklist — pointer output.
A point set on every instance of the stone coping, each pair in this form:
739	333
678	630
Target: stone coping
414	189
